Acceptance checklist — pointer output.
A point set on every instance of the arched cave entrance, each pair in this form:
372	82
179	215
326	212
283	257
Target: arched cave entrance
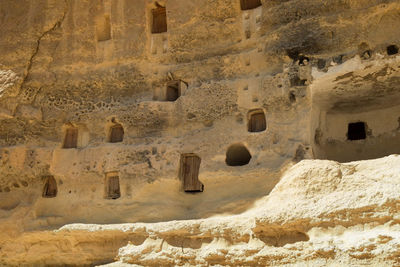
237	155
392	50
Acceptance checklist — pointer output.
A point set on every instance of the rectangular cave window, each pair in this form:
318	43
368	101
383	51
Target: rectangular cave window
249	4
116	133
189	173
112	190
71	138
104	28
356	131
173	90
50	187
257	122
159	21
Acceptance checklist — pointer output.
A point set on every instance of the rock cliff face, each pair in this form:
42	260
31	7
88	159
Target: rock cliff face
149	111
321	213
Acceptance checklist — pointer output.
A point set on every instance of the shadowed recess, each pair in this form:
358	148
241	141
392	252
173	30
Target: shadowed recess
237	155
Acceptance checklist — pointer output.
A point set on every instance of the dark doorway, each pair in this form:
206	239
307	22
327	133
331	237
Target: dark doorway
392	50
159	23
173	90
112	186
356	131
50	187
189	173
257	121
237	155
116	133
71	138
249	4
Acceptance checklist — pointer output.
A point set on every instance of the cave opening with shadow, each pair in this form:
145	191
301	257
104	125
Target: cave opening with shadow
392	50
356	131
355	126
249	4
237	155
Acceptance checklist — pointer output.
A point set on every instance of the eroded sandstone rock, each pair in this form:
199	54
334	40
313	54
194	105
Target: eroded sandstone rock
114	99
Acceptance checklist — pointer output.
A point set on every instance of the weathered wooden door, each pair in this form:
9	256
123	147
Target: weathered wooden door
189	173
71	138
113	190
173	90
116	134
50	187
257	122
159	20
249	4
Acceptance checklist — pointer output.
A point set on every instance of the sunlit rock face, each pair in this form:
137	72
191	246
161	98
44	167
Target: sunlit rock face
150	111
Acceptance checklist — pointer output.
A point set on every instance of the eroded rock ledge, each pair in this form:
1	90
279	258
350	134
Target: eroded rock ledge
180	117
320	213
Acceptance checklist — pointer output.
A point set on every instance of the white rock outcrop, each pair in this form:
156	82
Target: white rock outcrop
321	213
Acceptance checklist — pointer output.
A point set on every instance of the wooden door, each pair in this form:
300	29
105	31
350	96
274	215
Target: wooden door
257	122
117	134
50	187
249	4
159	20
71	138
113	190
173	90
189	173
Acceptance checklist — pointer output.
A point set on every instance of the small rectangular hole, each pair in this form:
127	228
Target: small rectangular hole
356	131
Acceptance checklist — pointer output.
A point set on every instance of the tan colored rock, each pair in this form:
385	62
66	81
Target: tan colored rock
320	213
100	100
